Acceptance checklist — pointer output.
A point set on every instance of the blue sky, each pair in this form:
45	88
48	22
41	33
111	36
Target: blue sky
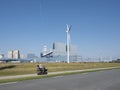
27	25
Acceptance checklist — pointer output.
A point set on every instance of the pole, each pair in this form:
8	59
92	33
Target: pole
68	46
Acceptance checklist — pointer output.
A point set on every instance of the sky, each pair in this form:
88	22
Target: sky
28	25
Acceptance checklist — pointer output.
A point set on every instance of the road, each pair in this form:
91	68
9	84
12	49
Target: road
101	80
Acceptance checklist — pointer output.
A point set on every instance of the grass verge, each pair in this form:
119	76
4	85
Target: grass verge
12	69
52	75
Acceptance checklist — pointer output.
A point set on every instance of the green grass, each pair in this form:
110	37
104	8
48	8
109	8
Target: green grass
8	69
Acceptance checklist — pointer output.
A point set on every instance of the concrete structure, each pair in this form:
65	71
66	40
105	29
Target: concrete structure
14	54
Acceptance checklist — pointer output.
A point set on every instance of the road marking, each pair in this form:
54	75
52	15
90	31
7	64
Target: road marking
8	83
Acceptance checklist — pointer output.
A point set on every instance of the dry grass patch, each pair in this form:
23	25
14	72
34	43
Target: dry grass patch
7	69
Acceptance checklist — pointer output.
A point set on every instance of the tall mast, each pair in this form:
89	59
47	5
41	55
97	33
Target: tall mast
68	43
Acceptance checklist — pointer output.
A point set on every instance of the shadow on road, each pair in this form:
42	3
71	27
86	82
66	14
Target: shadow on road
7	67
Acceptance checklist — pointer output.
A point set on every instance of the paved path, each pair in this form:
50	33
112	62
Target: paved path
51	73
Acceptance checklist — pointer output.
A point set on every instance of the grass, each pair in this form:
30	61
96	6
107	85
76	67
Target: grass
45	76
8	69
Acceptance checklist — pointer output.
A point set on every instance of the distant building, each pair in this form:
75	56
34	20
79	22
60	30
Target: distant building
73	50
59	48
59	52
10	54
45	50
1	56
22	56
14	54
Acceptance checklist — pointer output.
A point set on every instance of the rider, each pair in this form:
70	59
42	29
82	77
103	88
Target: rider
41	68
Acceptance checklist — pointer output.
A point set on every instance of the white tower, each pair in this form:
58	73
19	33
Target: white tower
68	43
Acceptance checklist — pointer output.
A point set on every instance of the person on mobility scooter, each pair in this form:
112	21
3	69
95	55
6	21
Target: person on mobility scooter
41	70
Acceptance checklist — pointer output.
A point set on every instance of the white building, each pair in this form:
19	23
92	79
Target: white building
10	54
59	48
45	50
22	56
1	56
13	54
16	54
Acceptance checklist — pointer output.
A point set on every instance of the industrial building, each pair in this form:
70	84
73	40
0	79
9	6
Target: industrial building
58	53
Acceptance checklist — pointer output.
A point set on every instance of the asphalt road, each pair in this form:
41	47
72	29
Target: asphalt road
102	80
